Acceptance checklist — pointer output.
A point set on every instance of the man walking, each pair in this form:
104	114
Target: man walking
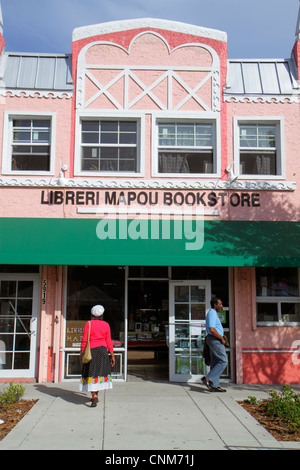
216	343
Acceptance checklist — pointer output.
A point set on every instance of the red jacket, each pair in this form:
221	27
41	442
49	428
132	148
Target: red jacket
99	336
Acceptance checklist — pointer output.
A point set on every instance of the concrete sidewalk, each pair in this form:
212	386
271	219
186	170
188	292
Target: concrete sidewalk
141	415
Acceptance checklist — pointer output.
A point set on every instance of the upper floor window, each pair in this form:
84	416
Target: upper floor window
28	144
260	148
186	147
277	295
31	145
109	146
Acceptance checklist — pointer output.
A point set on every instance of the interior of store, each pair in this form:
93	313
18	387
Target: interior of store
148	313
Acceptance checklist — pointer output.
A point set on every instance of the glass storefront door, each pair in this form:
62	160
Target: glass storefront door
19	295
189	303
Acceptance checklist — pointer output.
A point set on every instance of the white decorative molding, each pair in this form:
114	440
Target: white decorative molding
140	23
261	98
127	74
95	183
36	93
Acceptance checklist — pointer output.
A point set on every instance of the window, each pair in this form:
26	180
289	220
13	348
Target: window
28	144
109	146
277	295
260	148
186	147
87	286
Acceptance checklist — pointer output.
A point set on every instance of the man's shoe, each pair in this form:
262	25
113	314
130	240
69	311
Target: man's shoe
208	383
218	389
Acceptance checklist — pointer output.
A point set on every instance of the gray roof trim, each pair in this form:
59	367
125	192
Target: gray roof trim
261	77
40	72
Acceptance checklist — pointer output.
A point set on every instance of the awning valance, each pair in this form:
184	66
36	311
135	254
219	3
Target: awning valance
132	242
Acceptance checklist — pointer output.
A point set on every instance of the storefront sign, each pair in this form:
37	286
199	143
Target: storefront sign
74	332
150	198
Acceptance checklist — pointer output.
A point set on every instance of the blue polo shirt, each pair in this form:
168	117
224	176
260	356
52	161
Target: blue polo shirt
213	321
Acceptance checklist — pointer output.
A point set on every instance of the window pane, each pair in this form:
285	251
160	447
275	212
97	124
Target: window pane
182	312
128	126
182	293
21	136
254	163
166	134
126	165
277	282
8	288
128	133
90	137
248	136
36	162
109	165
204	136
198	311
290	312
128	152
24	307
90	165
109	132
21	361
184	162
22	123
25	288
185	134
41	123
90	126
109	152
266	136
90	152
109	137
41	149
109	126
182	337
41	136
257	136
267	312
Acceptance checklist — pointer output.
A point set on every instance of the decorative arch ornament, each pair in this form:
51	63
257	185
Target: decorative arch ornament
149	85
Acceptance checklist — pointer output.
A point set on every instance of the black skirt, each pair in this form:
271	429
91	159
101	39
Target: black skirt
96	375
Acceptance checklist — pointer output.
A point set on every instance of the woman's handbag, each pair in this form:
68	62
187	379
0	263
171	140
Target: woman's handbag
87	355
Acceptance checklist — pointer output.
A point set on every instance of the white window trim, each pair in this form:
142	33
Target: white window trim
186	117
7	141
92	115
277	121
278	300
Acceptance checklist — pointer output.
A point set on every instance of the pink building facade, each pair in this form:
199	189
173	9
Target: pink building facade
147	171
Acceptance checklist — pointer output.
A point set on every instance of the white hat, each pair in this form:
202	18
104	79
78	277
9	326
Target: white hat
97	310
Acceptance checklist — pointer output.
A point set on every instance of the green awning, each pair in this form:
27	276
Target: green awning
84	242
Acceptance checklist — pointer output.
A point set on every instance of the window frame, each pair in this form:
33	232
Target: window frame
278	300
278	122
9	117
210	118
96	116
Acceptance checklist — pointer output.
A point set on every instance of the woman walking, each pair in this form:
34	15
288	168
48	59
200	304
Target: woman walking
96	374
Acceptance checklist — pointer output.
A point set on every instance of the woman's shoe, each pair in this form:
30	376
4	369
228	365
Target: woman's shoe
94	402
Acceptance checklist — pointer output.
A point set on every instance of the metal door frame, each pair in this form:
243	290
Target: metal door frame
31	371
173	377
